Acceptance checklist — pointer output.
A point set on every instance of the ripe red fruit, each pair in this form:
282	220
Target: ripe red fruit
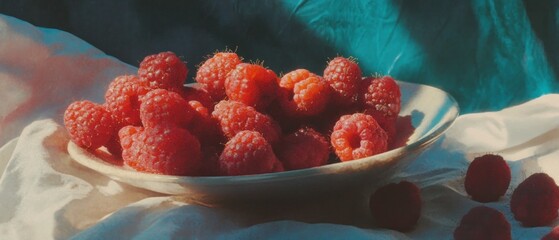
203	126
343	75
381	95
194	93
163	107
396	206
163	70
212	73
89	124
358	136
161	150
252	85
535	201
303	93
488	178
123	99
247	153
235	116
482	223
304	148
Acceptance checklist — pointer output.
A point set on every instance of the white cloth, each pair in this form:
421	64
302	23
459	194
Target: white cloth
44	194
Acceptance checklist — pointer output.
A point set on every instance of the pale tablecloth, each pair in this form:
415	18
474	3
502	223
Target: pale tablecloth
45	195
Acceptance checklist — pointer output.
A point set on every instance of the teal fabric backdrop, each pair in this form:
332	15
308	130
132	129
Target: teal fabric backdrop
488	54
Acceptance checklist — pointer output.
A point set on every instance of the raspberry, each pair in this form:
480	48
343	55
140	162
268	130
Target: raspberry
212	73
252	85
358	136
381	95
197	94
304	148
303	93
387	123
553	235
123	99
161	150
535	201
396	206
160	107
203	126
113	145
247	153
488	178
89	124
163	70
483	223
235	116
343	75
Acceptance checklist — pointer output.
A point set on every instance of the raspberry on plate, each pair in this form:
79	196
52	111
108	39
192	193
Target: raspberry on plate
161	107
235	116
535	201
163	70
343	75
212	73
89	124
387	123
482	223
203	126
190	93
304	148
396	206
303	93
488	178
247	153
161	150
381	94
252	85
358	136
113	145
123	99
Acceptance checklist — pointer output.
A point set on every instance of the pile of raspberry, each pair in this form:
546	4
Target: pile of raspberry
240	118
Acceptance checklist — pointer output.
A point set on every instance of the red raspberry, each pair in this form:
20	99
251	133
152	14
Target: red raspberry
488	178
123	99
343	75
535	201
234	117
89	124
387	123
396	206
160	107
203	126
212	73
358	136
553	235
163	70
113	145
381	95
483	223
199	95
303	93
304	148
161	150
252	85
247	153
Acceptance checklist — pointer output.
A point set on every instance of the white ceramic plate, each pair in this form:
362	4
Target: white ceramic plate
429	110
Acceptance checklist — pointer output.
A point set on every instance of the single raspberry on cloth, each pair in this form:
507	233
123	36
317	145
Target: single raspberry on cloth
235	116
163	107
304	148
212	73
90	125
247	153
252	85
161	150
396	206
344	76
357	136
303	93
163	70
483	223
123	99
535	201
488	178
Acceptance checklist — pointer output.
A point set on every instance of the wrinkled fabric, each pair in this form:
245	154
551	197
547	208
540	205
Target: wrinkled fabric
44	194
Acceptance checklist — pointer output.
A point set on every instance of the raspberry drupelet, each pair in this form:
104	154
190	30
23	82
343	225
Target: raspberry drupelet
357	136
252	85
212	73
89	124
